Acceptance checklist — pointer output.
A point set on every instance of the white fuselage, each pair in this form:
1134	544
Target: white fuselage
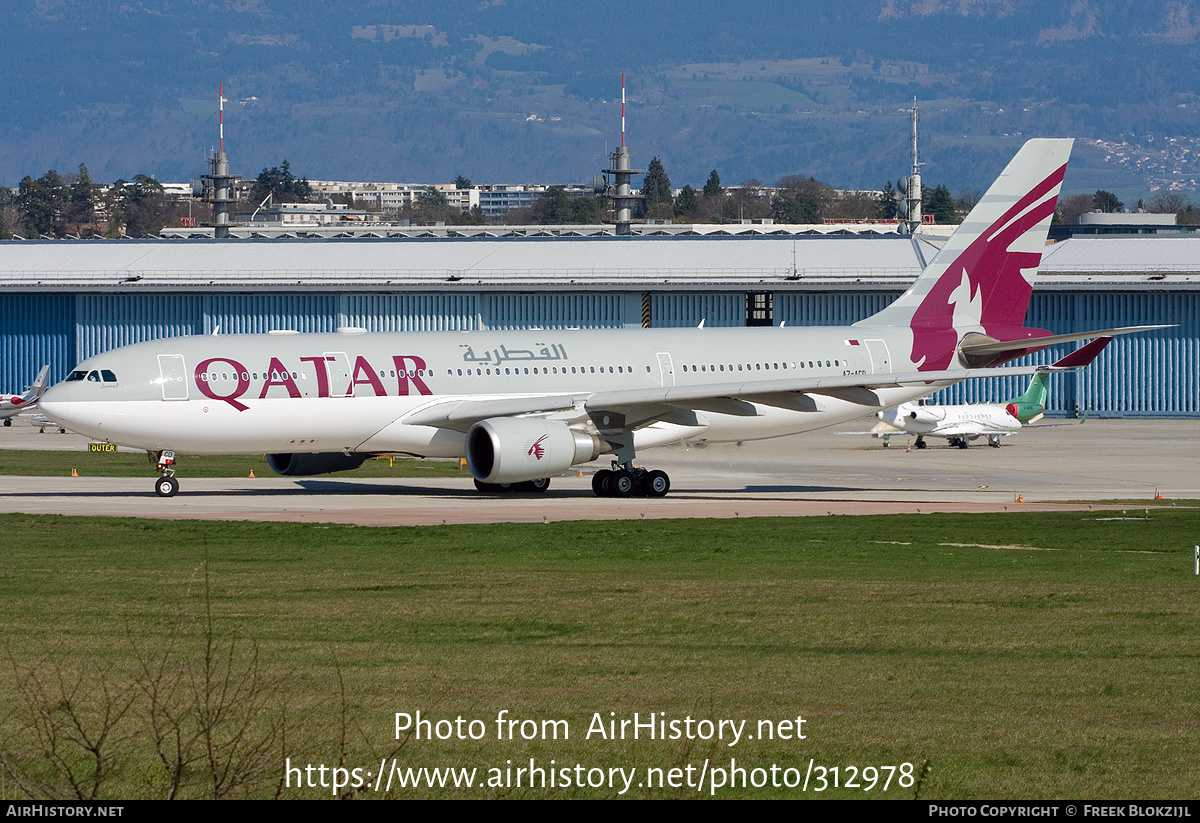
354	391
953	422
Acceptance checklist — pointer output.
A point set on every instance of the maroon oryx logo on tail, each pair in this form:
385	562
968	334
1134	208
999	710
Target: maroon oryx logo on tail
984	285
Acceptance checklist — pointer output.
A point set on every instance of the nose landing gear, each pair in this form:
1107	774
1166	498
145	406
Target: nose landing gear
167	485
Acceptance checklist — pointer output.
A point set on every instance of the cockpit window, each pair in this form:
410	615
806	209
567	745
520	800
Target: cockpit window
93	376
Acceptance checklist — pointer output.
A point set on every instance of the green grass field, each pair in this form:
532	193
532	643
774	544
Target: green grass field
1006	656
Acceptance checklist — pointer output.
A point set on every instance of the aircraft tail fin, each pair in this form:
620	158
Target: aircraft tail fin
1036	393
38	387
981	280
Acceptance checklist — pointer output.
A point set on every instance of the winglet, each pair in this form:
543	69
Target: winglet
1082	356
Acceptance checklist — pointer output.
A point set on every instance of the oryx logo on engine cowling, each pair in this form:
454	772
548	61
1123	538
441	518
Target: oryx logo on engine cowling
537	450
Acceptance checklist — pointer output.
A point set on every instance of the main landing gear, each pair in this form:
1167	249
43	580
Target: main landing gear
621	481
166	485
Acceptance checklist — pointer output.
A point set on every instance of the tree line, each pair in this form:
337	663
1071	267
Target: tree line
1164	202
74	205
57	205
793	199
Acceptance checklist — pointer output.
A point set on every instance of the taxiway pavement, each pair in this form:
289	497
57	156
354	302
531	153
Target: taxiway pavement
817	473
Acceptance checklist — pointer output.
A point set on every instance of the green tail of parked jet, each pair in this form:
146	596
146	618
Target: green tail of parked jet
1030	406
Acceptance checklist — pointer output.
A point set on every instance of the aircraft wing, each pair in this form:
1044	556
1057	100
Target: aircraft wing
628	409
966	429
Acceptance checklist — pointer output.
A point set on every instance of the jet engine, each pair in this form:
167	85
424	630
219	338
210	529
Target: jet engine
927	414
1026	412
303	465
517	449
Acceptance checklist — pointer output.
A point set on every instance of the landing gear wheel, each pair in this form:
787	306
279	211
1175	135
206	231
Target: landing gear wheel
920	442
536	486
492	488
623	483
602	483
166	486
657	484
994	442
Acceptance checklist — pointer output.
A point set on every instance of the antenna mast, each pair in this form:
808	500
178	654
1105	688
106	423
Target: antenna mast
218	184
620	191
909	188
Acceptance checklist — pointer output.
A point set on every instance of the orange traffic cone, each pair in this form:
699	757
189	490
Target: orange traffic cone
74	473
251	473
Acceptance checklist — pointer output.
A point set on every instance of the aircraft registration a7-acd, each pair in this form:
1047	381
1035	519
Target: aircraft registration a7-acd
524	406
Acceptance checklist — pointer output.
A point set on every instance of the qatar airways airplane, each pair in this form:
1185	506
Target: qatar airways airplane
525	406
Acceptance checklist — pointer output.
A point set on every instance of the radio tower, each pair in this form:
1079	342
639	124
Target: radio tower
219	183
909	190
620	191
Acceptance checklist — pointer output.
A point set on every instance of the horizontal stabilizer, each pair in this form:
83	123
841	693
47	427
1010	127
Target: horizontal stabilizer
1084	355
989	350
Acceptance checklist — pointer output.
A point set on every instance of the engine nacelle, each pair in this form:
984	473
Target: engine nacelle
517	449
303	465
927	414
1026	412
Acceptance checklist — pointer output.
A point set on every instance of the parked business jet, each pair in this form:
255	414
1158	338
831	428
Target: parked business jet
15	404
525	406
960	424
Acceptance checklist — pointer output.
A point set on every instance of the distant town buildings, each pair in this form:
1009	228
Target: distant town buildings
495	199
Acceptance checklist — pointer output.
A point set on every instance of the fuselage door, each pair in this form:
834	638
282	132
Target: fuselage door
666	369
338	365
174	377
881	361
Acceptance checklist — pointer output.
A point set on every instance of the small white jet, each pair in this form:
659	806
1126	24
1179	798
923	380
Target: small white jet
525	406
14	404
960	424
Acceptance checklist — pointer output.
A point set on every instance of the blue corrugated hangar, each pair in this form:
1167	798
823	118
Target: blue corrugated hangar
62	301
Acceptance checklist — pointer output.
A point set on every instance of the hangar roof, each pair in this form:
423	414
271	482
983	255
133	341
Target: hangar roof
660	263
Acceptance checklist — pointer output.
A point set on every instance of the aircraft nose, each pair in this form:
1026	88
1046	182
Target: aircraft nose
55	394
55	403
